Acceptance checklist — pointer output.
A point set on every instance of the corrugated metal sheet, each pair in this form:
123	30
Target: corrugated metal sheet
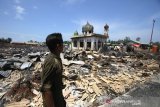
26	65
2	63
5	73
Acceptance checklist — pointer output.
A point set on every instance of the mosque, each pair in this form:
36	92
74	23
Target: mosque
89	40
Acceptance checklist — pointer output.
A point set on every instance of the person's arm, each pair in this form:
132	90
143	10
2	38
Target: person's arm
48	94
48	97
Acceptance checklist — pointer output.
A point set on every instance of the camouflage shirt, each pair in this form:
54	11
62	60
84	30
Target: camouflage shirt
51	78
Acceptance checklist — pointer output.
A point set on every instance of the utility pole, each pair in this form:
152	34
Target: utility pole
151	35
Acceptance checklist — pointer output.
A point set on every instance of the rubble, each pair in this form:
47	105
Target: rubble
25	65
5	73
18	79
111	76
91	76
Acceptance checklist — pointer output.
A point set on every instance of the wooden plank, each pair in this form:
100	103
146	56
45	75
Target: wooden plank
91	83
70	100
66	93
96	89
38	66
92	99
97	81
22	103
106	81
85	95
90	90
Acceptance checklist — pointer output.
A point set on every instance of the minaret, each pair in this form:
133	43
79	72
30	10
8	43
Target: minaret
106	29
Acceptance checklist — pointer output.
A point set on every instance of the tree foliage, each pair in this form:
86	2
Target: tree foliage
138	39
7	40
67	42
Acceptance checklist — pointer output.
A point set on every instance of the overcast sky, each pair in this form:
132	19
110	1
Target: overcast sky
24	20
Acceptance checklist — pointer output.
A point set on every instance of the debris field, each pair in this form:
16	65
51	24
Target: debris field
92	77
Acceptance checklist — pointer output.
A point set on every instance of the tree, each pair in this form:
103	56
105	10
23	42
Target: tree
120	41
9	40
126	40
67	42
138	39
31	41
3	40
109	41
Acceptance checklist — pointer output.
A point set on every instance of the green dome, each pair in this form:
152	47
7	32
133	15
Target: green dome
87	28
75	33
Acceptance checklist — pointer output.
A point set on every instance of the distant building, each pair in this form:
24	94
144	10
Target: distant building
138	44
32	43
88	39
25	43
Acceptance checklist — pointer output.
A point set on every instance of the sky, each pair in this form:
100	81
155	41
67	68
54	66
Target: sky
24	20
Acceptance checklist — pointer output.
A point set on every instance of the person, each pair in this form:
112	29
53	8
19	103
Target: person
51	77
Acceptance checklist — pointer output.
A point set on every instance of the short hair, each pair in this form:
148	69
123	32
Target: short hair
53	39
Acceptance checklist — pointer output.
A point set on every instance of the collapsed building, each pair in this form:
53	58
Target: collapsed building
94	79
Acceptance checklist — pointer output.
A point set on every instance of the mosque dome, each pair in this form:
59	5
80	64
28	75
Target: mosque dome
87	28
76	33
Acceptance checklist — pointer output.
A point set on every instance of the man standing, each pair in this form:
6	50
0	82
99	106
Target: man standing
51	77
